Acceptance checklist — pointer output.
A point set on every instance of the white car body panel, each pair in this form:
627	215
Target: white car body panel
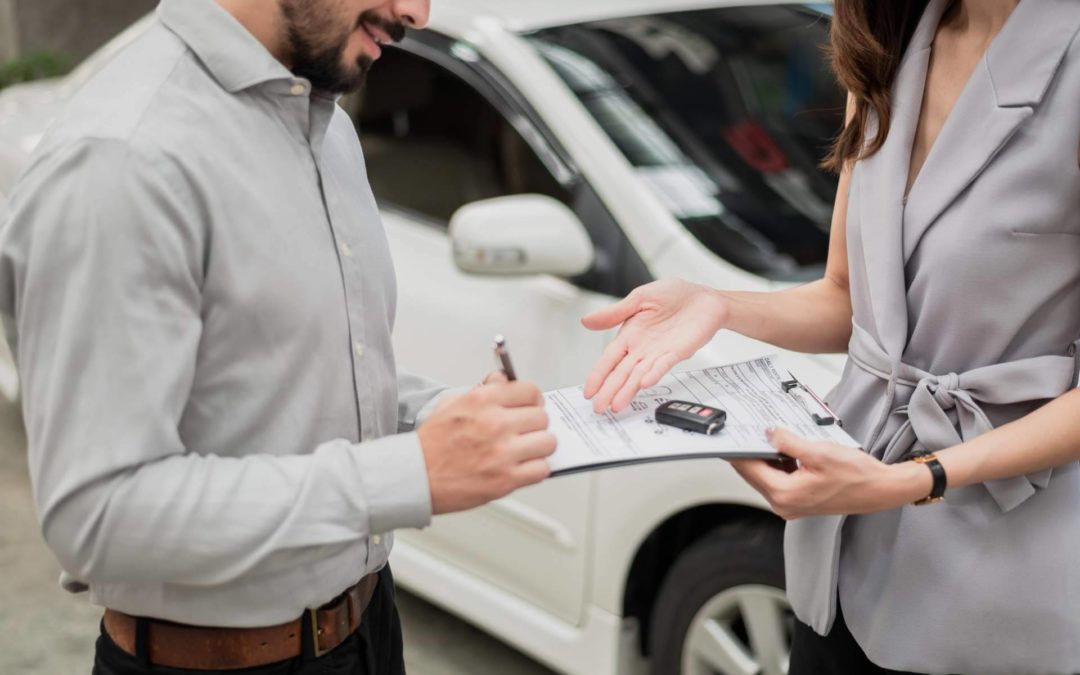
538	529
618	524
647	222
602	645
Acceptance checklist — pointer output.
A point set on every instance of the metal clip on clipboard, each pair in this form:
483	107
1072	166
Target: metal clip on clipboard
828	419
1074	351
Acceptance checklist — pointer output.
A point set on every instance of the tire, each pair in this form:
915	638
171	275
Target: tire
722	607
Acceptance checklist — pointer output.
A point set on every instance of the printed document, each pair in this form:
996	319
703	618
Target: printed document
756	395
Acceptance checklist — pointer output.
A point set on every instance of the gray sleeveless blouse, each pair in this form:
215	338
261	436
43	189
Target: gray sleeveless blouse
966	300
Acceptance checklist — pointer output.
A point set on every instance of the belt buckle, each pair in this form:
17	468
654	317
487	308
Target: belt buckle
351	606
315	631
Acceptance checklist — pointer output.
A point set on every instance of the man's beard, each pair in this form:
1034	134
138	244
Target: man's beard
317	43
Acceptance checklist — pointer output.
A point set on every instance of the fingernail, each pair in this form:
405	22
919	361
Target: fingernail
770	432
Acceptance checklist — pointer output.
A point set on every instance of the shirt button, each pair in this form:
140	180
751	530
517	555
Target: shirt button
298	89
359	350
376	540
345	250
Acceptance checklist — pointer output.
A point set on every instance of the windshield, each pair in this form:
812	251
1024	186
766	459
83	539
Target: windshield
726	114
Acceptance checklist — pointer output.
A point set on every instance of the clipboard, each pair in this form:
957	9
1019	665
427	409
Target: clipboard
755	394
824	416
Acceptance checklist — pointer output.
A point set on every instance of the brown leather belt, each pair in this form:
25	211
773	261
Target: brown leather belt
197	648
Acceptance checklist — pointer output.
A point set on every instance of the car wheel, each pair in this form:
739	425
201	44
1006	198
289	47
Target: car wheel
722	609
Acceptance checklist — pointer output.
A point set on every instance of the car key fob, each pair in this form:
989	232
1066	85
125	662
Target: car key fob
694	417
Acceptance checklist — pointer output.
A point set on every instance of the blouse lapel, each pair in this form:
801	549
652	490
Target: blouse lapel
1002	93
882	178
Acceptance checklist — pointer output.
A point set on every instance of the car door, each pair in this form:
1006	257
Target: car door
436	137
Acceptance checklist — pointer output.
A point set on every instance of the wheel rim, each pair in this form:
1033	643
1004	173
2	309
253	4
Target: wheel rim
745	630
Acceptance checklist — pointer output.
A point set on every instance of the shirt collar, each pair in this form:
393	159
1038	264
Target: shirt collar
229	51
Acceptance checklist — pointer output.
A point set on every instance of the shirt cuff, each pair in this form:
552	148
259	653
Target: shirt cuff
393	476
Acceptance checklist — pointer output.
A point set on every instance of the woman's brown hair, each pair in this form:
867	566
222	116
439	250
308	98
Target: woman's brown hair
869	38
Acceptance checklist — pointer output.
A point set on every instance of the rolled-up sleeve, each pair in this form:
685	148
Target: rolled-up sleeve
101	268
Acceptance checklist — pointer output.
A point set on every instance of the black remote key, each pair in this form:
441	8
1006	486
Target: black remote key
694	417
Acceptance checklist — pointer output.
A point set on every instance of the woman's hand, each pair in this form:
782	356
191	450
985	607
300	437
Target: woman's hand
832	479
663	323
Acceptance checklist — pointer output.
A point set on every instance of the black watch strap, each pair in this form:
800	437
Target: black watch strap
941	482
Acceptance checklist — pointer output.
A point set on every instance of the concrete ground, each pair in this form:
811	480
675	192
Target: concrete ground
46	631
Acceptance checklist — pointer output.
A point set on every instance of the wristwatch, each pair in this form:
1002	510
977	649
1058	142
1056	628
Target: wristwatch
928	459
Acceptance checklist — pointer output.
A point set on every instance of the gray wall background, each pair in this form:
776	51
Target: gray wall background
71	28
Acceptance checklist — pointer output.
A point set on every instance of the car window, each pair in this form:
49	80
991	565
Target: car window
434	144
726	114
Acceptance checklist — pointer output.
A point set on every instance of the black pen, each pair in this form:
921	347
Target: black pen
503	355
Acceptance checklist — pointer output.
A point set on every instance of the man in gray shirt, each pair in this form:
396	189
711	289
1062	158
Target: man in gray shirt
200	295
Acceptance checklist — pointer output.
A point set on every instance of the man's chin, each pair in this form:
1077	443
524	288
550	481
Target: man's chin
341	81
358	78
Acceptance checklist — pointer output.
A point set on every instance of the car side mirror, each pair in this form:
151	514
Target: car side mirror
520	235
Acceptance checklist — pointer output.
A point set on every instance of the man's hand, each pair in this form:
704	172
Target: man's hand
484	445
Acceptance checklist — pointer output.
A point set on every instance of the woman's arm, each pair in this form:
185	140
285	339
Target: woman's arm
1046	438
669	320
833	479
815	318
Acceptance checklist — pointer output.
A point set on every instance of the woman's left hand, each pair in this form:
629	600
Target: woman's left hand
832	479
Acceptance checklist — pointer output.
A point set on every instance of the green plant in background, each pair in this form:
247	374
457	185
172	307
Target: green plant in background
35	66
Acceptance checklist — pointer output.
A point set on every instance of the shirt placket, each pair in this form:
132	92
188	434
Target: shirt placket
352	277
306	118
351	271
318	113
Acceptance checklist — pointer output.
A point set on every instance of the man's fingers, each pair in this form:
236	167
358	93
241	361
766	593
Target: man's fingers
523	420
513	394
609	359
612	316
614	383
531	446
531	472
631	388
496	377
660	367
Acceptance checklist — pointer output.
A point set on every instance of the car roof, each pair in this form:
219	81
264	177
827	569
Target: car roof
457	18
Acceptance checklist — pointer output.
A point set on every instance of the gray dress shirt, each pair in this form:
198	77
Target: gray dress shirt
199	291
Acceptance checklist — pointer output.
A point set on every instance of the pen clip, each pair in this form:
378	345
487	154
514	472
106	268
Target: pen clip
502	354
825	420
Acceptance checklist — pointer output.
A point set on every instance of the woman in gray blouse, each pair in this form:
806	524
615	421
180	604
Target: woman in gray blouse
953	283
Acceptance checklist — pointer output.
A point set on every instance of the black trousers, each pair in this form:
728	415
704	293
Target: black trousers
836	654
374	649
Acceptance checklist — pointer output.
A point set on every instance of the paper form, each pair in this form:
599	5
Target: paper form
752	393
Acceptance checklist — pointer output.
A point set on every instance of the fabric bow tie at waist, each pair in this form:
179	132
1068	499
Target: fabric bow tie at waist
928	423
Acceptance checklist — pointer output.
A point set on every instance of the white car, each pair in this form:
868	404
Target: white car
597	145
